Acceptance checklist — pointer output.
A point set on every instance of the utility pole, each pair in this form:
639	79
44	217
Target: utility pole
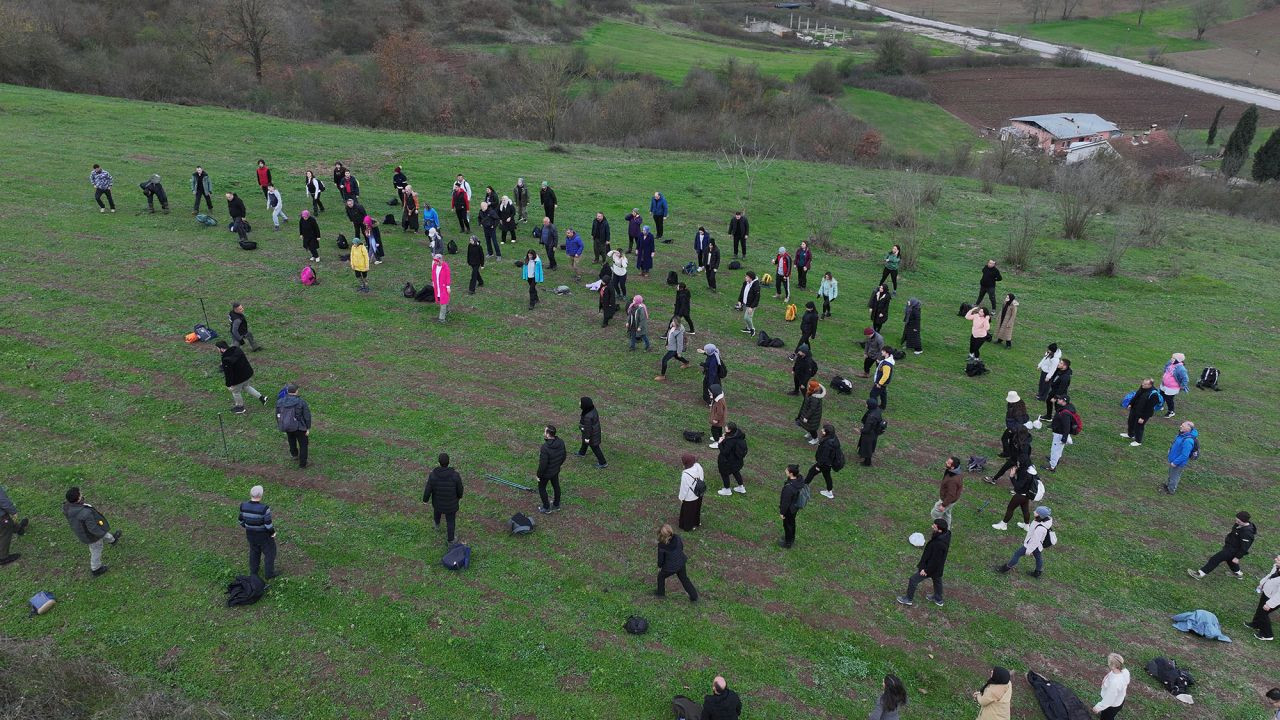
1179	128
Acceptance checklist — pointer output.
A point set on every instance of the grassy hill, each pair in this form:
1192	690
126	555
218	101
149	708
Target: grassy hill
100	391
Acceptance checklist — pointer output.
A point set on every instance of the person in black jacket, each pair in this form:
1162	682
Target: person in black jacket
684	299
713	264
739	229
1015	441
400	181
488	217
911	326
808	325
879	307
356	214
475	259
872	426
90	527
1141	408
671	561
733	455
1235	547
987	286
1025	484
522	198
1058	387
932	563
443	491
825	459
748	300
722	703
9	526
589	424
1062	428
803	368
550	457
600	245
507	219
787	505
309	233
152	190
235	207
237	372
547	197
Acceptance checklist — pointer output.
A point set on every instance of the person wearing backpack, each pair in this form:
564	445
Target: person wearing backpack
90	527
551	457
236	372
314	187
828	290
949	490
691	479
309	234
803	368
1173	380
933	561
719	409
201	187
293	418
1185	448
1234	548
873	425
808	324
1034	543
789	504
1065	424
443	492
589	424
810	416
733	455
260	531
879	307
672	560
1141	407
829	456
748	300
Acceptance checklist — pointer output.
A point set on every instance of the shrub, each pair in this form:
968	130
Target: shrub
1023	235
1084	189
868	147
823	79
1069	57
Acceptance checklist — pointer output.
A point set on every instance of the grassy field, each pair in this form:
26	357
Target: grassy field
1167	28
101	391
908	126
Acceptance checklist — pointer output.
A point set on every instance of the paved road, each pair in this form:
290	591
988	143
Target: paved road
1261	98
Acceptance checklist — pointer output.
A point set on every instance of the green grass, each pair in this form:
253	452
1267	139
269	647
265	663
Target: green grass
1168	29
99	390
1196	138
908	126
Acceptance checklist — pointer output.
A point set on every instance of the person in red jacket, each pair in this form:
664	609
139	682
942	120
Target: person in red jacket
264	177
461	204
782	278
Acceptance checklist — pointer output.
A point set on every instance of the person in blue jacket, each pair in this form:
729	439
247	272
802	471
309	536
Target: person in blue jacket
531	271
1173	380
573	247
645	250
658	209
430	218
1184	449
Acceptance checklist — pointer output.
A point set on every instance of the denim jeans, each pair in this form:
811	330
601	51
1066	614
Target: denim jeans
1021	552
1175	474
635	337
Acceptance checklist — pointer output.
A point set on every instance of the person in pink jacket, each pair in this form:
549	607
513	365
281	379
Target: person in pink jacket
981	329
440	281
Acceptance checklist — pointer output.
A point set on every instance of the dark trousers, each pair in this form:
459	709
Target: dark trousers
688	321
657	224
826	306
717	432
555	486
802	278
464	222
789	528
409	221
356	227
1136	428
551	256
208	201
1015	502
736	475
806	339
975	346
867	364
916	579
491	244
475	278
266	194
736	242
1049	407
316	205
261	545
509	230
533	293
632	241
620	285
298	442
690	514
667	358
1262	619
8	528
595	449
887	273
1222	556
1168	403
97	197
450	523
985	291
1111	713
684	582
826	474
550	212
781	287
702	257
711	277
881	393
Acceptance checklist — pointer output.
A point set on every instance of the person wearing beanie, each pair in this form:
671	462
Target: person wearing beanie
690	500
883	376
733	455
810	416
236	372
949	490
1025	483
871	347
803	368
879	307
787	509
260	531
1114	688
1185	448
293	418
240	332
1237	544
782	275
1033	543
1064	425
1173	381
589	424
911	326
90	527
309	234
719	410
873	425
828	457
808	324
933	561
803	261
672	560
444	493
9	526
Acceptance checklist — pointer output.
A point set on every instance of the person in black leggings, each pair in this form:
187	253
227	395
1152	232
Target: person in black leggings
891	263
1025	484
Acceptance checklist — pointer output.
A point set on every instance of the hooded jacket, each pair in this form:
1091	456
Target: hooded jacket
750	293
733	452
804	367
87	523
288	403
200	183
787	497
589	422
1179	377
443	490
1037	534
990	276
719	410
550	457
810	416
684	299
1240	539
359	257
475	255
239	326
1060	383
671	557
430	218
809	324
873	345
828	450
829	289
638	319
934	558
235	366
521	193
872	420
995	699
675	339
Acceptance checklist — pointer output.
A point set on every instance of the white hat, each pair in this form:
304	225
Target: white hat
916	539
255	491
1012	396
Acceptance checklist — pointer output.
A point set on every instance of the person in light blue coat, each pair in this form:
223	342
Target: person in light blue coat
659	210
1185	448
1173	381
531	271
430	218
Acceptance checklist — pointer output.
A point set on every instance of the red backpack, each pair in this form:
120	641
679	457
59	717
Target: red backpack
1077	425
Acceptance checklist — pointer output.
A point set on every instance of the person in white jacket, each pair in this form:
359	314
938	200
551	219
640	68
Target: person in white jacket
1033	544
690	501
1269	600
1114	687
1048	368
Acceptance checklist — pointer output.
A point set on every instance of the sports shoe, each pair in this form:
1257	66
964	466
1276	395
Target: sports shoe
543	510
116	536
827	494
989	479
102	210
1135	443
714	446
100	571
740	489
113	210
601	466
1126	436
1195	574
1034	573
579	454
814	441
1024	526
919	352
1000	526
904	600
724	491
930	597
746	330
1170	414
1002	568
1256	635
10	558
239	410
262	398
1239	574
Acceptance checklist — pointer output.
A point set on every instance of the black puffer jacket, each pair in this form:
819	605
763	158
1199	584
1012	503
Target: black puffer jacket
934	558
1240	539
828	449
235	366
589	423
733	452
475	255
788	496
550	458
444	489
671	557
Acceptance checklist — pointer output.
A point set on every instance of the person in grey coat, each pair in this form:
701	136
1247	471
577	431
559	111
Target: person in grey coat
9	526
891	701
589	424
871	350
293	418
201	187
90	527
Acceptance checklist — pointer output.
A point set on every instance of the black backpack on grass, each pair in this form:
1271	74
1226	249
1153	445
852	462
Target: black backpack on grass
389	219
247	245
409	291
673	278
245	590
342	242
1208	379
975	367
521	524
636	625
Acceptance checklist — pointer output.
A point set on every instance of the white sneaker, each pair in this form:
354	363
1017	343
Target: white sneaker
1000	526
741	489
1135	443
828	494
814	441
377	262
714	445
1022	525
102	210
919	352
724	491
1124	435
807	436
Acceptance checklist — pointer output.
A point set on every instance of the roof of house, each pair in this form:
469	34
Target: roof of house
1159	151
1070	125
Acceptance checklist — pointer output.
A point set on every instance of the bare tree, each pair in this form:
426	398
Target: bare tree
750	158
1023	235
198	29
1207	13
250	28
824	212
1083	190
1069	7
1039	9
1144	6
548	89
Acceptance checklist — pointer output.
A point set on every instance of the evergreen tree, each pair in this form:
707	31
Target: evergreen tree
1266	162
1213	126
1233	156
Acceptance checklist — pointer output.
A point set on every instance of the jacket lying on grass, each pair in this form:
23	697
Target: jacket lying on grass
1200	622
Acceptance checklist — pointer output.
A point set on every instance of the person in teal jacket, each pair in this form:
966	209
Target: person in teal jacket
891	263
531	271
658	209
430	218
829	290
1185	448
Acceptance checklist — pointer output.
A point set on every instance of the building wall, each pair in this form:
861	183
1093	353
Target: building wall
1055	145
